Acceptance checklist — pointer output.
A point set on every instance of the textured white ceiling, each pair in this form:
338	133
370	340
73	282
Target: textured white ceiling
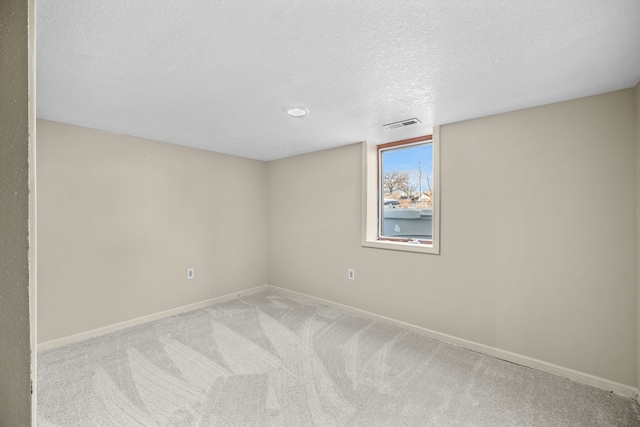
219	75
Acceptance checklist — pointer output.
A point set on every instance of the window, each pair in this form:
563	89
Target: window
405	169
401	200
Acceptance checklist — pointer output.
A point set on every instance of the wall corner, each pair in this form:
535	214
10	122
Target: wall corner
637	121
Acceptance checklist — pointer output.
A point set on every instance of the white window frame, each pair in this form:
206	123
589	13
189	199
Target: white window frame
371	202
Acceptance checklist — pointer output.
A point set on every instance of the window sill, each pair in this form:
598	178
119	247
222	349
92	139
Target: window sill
400	246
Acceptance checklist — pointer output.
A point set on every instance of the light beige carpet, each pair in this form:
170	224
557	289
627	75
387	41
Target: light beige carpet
273	360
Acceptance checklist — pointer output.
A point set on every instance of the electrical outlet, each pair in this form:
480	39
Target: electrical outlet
191	272
351	274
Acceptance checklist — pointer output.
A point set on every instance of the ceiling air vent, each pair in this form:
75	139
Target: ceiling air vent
402	123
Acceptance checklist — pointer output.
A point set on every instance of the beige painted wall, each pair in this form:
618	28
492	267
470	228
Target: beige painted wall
122	218
15	128
538	236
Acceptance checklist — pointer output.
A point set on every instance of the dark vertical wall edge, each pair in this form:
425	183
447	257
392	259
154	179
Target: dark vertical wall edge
15	117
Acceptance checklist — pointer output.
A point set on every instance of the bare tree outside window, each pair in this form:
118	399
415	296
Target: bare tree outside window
397	184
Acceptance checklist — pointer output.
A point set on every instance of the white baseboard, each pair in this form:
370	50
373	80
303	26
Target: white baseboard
519	359
144	319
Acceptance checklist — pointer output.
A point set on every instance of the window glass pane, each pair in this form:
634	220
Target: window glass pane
406	180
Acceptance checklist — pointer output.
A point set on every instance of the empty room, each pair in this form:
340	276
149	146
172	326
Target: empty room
422	213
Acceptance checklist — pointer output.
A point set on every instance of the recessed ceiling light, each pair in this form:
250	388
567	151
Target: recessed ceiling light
297	112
